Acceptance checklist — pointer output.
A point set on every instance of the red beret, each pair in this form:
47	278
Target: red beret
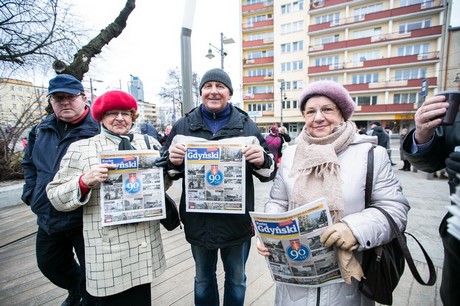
112	100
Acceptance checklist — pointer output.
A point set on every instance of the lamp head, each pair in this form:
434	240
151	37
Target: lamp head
210	55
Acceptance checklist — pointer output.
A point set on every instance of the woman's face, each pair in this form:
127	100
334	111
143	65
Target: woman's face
118	121
321	116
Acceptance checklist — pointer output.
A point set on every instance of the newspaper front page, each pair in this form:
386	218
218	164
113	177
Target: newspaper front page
134	191
293	238
215	178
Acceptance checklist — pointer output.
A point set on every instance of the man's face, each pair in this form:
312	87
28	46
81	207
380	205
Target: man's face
67	107
215	96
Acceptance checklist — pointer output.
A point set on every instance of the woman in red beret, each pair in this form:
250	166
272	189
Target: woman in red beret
121	260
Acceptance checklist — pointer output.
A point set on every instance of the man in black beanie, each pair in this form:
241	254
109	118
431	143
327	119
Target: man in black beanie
213	120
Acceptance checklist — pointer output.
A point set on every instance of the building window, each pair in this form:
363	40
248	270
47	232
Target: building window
297	6
365	78
414	25
365	100
297	65
285	67
285	9
409	74
413	49
285	48
405	98
327	39
425	3
367	33
297	45
360	12
332	18
328	61
366	56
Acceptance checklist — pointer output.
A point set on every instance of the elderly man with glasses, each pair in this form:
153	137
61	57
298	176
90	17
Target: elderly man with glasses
59	234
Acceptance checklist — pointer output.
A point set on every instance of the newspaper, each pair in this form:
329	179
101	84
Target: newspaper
293	238
215	178
134	191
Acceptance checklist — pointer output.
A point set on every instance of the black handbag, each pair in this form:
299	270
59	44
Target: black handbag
383	266
172	219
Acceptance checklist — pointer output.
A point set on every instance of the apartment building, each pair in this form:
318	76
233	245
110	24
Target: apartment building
18	97
388	54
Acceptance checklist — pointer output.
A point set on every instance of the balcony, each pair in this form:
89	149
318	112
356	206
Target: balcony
258	25
258	97
257	79
258	61
406	84
320	5
376	63
386	14
257	7
384	39
387	108
258	43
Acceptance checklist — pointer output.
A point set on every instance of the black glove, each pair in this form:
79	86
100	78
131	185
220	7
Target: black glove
453	169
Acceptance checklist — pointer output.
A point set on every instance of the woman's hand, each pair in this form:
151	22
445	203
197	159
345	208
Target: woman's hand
97	174
262	249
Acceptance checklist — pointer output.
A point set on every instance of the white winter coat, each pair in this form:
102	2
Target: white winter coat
369	226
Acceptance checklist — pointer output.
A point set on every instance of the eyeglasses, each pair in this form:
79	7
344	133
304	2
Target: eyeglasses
325	110
61	98
115	114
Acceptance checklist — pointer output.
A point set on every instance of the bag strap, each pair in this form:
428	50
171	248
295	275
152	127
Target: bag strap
406	253
399	235
147	141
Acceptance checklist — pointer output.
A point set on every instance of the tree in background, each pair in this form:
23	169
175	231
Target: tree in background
33	34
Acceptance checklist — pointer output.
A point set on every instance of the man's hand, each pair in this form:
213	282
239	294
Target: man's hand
428	117
254	154
339	235
177	154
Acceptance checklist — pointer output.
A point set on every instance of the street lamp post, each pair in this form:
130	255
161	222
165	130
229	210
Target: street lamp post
281	99
221	51
91	88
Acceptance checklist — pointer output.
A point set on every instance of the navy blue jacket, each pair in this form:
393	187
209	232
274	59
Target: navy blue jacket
42	159
214	230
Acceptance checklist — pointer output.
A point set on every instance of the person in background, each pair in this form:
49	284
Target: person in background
406	166
149	129
284	134
275	143
431	147
209	233
24	143
166	134
59	234
383	139
330	161
121	260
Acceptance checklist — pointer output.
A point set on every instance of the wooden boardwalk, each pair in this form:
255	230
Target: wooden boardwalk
21	283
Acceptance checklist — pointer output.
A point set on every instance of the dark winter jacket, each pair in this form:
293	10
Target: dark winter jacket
383	138
446	138
214	230
149	129
41	161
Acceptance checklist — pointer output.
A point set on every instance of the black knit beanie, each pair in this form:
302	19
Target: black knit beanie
217	75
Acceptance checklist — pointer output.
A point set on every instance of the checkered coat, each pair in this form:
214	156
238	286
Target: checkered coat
118	257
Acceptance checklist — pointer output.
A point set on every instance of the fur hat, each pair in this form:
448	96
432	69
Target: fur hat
334	91
111	100
65	83
217	75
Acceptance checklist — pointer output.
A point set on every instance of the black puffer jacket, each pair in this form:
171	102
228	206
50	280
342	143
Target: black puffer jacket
214	230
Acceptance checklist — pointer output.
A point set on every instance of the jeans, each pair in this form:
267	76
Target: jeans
234	261
56	259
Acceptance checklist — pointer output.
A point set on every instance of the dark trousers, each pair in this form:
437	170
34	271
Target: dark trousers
139	296
449	291
56	259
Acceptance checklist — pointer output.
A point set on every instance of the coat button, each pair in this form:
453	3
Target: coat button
143	244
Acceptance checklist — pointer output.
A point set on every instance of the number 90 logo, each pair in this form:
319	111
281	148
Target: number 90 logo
132	187
299	255
214	179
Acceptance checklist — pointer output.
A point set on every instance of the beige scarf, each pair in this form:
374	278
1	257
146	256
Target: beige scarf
317	167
